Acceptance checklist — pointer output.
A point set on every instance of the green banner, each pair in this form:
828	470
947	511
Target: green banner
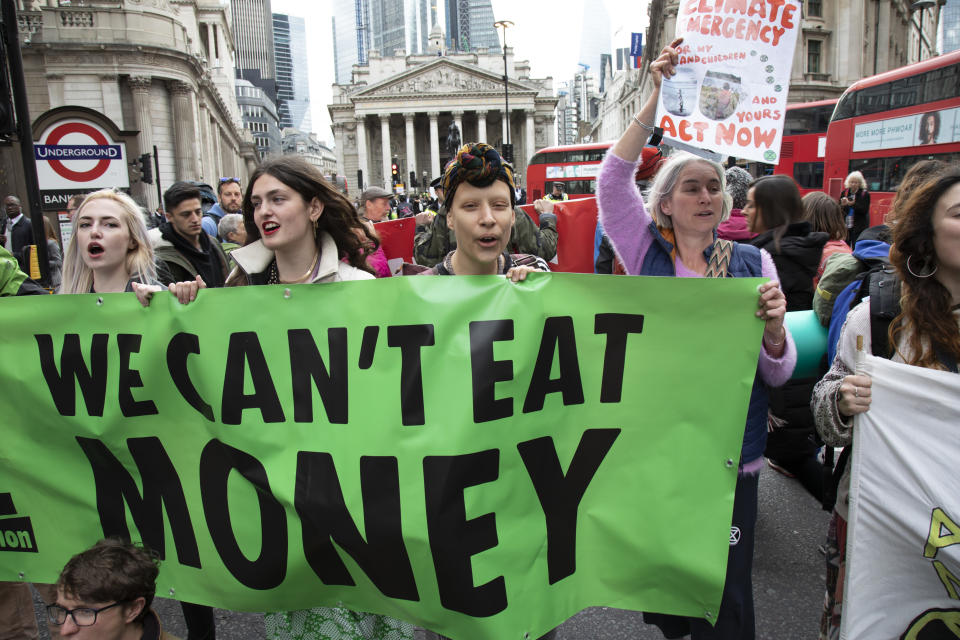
479	457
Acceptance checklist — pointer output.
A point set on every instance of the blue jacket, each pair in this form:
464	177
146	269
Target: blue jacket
744	262
210	220
865	250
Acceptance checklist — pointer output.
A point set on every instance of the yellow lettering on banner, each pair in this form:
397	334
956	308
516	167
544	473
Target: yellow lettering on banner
936	540
950	581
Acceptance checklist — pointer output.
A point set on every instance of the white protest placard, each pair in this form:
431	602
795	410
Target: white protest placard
729	95
903	544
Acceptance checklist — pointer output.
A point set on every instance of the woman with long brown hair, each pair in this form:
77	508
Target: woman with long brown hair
300	229
926	333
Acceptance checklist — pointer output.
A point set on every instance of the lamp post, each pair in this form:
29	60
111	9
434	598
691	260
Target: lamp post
503	24
922	5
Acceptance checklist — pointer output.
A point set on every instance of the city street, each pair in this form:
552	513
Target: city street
788	580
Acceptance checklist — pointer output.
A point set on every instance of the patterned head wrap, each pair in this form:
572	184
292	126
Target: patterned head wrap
479	164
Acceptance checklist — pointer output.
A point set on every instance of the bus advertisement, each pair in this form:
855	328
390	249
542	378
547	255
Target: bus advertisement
804	143
882	125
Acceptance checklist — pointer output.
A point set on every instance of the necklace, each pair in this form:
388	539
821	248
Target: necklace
448	263
302	278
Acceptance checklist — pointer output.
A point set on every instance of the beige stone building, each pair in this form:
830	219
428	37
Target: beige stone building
840	42
160	68
403	107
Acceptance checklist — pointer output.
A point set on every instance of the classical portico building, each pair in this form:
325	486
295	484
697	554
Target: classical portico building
403	107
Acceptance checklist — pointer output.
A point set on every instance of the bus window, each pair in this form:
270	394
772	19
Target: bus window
906	92
809	175
942	83
873	99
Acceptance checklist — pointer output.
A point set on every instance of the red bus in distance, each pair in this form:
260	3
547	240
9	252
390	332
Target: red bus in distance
575	166
884	124
804	143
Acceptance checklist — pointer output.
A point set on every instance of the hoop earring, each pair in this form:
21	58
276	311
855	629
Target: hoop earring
917	275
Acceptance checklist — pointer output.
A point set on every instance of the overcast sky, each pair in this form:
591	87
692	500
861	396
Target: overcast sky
545	33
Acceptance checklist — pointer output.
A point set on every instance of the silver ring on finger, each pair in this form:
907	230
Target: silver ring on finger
856	392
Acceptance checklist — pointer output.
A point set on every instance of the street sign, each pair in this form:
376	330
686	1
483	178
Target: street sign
76	154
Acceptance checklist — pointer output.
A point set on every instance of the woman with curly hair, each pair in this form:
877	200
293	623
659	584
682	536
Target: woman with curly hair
855	201
926	333
300	229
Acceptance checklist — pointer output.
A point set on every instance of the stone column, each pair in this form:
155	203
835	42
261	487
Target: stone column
211	48
206	162
434	145
186	166
458	120
411	147
481	126
362	150
529	143
385	148
140	91
339	138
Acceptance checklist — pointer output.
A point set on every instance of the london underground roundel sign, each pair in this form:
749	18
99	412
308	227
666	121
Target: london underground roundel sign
79	154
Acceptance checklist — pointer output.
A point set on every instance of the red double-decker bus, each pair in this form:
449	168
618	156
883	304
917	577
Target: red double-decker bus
884	124
576	166
804	143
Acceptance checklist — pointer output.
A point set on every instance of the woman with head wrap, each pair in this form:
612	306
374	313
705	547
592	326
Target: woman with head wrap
479	195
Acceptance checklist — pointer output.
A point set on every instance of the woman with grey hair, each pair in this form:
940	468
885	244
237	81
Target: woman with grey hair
855	202
678	238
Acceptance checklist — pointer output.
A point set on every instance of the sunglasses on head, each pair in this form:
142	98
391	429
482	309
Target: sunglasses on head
222	180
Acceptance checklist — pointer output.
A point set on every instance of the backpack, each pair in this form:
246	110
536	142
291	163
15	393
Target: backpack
841	269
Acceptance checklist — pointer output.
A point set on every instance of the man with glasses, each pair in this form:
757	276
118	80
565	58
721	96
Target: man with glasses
230	200
105	592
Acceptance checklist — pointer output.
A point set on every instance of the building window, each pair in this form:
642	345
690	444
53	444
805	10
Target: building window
814	9
814	59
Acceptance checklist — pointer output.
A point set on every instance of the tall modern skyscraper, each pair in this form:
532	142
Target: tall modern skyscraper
351	36
387	26
594	38
470	25
253	41
950	26
293	82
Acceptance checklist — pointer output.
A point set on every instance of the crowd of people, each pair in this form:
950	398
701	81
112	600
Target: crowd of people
696	219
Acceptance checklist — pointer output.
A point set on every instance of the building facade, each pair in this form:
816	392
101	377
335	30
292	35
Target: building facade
253	42
260	118
351	37
404	106
470	26
161	70
307	145
293	78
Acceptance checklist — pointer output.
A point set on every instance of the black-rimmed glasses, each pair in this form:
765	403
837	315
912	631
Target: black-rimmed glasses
82	616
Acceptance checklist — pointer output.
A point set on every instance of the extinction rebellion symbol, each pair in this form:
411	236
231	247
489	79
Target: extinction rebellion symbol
101	150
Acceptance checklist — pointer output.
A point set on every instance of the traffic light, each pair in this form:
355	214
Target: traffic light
413	179
145	164
395	171
508	153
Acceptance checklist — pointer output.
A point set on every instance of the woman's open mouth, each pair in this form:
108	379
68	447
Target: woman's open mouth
487	242
95	249
270	228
